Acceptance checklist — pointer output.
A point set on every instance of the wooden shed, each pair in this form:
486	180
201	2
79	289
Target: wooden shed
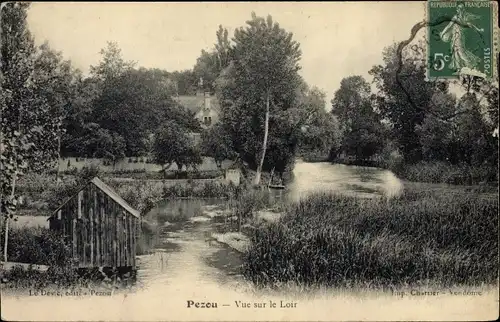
99	226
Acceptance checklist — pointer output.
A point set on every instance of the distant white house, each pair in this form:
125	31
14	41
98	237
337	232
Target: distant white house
204	105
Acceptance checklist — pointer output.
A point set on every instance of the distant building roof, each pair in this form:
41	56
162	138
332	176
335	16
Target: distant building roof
108	191
194	103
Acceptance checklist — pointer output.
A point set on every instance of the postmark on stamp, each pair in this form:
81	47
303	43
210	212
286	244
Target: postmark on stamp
460	38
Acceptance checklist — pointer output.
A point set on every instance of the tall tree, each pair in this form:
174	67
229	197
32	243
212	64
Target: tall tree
185	82
261	81
78	114
361	128
28	124
112	64
436	135
349	99
404	113
207	68
133	102
57	82
365	136
210	64
320	132
475	143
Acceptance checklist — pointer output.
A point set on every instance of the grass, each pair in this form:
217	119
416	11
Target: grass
431	171
170	189
149	175
440	172
245	204
62	280
418	238
315	157
193	189
361	163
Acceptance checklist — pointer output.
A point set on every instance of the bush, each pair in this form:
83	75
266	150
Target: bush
19	277
128	171
36	246
55	195
196	189
315	157
249	201
207	174
391	159
33	184
334	240
72	171
143	174
142	195
441	172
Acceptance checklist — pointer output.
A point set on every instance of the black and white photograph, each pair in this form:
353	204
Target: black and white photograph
249	161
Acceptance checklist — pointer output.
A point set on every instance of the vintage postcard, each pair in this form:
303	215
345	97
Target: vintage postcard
276	161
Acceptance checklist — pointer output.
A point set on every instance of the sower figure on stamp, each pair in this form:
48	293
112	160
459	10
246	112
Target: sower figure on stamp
460	56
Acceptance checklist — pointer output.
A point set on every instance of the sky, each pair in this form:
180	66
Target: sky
338	39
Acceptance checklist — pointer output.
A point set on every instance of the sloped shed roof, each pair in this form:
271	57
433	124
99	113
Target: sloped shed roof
109	192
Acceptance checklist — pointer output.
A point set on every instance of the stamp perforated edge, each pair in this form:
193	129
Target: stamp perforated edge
495	38
427	41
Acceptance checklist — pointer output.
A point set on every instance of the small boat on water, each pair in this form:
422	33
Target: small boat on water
274	186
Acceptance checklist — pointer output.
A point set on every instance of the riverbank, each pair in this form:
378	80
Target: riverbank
419	237
41	193
375	239
442	212
187	267
485	176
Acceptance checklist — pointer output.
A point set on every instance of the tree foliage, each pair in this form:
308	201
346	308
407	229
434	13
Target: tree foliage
121	107
320	130
217	144
427	121
363	134
257	87
210	64
173	145
392	100
35	88
112	64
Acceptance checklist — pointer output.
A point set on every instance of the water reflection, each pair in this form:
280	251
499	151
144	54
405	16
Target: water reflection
350	180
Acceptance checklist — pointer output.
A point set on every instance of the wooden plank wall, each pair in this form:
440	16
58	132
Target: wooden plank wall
100	232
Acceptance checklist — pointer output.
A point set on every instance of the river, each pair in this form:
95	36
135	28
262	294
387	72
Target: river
182	250
185	266
345	179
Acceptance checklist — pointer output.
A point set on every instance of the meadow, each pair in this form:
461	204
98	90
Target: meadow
417	238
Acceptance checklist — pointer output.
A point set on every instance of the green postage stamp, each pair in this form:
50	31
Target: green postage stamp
461	38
